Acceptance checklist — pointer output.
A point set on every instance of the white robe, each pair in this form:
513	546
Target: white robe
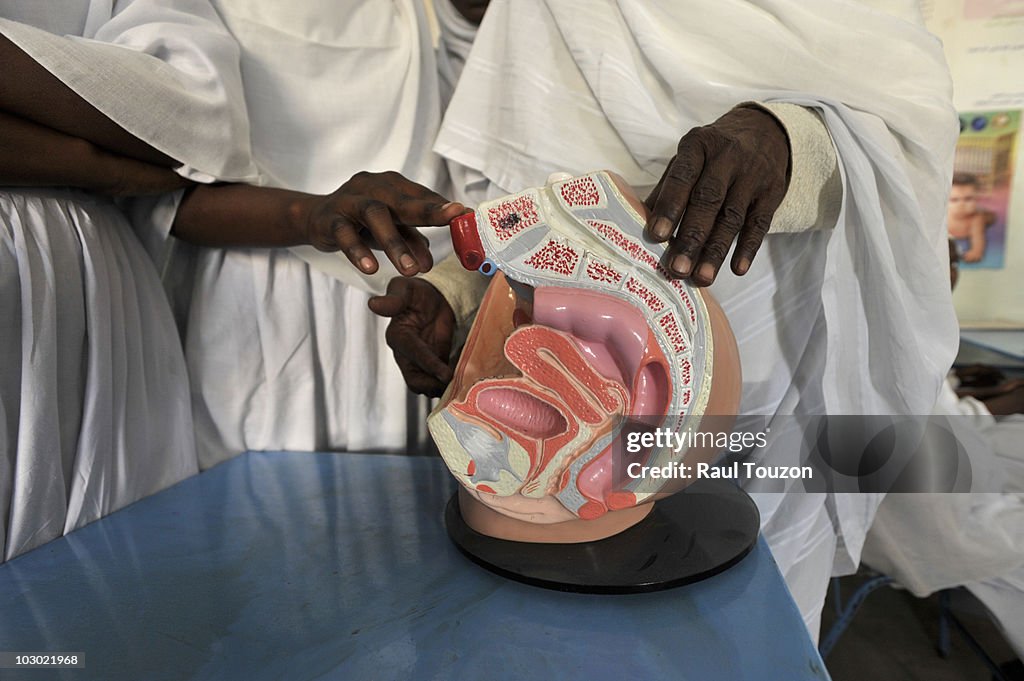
851	320
929	542
94	400
283	352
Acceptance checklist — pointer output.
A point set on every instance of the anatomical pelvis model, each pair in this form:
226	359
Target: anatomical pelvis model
582	342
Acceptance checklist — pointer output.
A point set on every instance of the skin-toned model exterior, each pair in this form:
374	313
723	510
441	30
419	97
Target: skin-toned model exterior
581	334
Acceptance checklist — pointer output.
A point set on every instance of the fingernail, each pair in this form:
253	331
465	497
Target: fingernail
681	265
366	262
662	229
407	262
706	272
743	266
448	205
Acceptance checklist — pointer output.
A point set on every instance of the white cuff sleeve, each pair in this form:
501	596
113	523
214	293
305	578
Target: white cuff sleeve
462	289
815	190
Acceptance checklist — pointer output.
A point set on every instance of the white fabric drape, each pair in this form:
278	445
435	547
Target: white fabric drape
936	541
94	398
929	542
854	320
93	388
282	350
456	41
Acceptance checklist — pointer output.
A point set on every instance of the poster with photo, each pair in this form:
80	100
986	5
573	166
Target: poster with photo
980	197
984	44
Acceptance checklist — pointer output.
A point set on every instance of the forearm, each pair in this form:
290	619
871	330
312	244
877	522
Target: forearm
32	155
29	91
36	156
242	215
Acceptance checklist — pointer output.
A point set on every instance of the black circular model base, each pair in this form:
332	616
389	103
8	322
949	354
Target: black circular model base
690	536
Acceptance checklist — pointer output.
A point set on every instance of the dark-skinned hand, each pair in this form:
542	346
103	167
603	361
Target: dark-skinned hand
420	333
378	210
725	182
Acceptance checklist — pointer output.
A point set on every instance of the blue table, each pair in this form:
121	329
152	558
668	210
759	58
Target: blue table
337	566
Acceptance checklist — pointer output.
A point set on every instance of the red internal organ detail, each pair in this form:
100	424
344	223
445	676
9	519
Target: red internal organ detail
671	327
555	257
522	412
634	249
555	370
537	349
645	294
592	510
580	193
557	375
686	372
540	451
620	500
510	217
678	285
603	273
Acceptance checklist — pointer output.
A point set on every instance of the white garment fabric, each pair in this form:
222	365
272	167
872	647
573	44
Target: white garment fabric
928	542
457	35
93	388
283	352
94	399
164	71
853	320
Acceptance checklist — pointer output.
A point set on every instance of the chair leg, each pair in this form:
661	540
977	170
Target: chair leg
947	618
943	644
847	613
837	596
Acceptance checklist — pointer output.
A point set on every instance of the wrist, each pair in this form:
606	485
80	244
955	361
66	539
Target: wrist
778	133
298	218
814	192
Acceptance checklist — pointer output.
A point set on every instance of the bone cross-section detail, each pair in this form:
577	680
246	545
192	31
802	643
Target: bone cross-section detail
581	334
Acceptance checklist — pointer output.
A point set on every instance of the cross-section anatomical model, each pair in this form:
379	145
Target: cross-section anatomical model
581	338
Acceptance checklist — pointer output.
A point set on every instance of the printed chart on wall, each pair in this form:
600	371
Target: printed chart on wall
984	43
980	196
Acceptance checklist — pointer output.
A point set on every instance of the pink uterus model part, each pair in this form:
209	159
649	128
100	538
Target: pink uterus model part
580	333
